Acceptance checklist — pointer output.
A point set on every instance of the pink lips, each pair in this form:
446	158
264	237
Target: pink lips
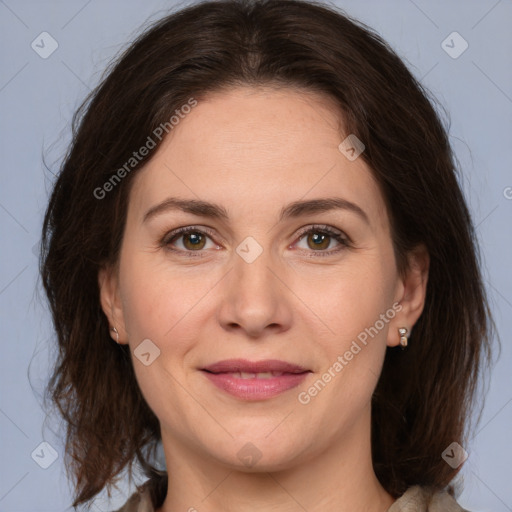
255	380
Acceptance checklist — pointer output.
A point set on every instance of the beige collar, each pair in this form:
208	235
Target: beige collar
415	499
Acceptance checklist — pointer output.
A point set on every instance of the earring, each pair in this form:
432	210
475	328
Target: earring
114	330
403	338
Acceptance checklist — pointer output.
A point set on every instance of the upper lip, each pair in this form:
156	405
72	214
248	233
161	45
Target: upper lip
243	365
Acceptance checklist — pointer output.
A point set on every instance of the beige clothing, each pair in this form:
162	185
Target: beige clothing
415	499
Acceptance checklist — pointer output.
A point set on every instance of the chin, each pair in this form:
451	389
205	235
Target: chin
258	453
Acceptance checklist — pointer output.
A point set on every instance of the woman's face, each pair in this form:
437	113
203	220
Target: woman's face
288	259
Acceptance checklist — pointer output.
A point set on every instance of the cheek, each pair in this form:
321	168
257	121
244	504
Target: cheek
357	306
156	301
159	307
148	307
351	300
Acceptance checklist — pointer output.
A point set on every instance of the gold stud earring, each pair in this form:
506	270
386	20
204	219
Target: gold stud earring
403	338
114	330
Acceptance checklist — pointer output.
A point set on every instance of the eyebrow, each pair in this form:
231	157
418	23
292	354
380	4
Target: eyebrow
292	210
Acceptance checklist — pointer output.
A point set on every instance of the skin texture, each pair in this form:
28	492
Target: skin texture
254	151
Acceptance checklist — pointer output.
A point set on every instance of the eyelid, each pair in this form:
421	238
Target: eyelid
325	229
168	236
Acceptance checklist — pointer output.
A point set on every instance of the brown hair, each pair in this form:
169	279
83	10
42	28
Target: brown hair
423	399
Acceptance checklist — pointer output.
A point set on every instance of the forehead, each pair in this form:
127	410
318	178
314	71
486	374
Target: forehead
257	149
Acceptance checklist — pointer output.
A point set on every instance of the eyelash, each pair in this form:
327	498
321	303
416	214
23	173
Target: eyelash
342	239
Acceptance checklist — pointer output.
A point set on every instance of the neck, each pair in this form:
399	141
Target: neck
337	479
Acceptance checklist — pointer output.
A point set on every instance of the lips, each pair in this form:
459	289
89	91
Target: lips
242	365
259	380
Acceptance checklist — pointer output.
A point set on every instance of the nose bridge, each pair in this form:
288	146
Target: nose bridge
252	277
255	299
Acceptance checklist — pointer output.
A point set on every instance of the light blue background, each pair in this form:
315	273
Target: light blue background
37	99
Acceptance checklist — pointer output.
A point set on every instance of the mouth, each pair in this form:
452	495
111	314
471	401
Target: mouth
255	380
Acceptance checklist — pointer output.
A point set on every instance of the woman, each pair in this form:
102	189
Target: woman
257	255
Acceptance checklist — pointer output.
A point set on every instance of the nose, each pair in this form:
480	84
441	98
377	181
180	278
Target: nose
255	299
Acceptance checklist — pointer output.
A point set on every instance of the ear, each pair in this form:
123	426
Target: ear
411	294
111	303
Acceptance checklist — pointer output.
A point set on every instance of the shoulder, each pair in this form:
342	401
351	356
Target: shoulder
139	501
423	499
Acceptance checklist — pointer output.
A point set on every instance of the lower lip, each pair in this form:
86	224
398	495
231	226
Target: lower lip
256	389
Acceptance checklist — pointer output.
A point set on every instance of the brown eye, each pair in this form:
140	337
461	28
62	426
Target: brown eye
318	240
189	240
193	241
